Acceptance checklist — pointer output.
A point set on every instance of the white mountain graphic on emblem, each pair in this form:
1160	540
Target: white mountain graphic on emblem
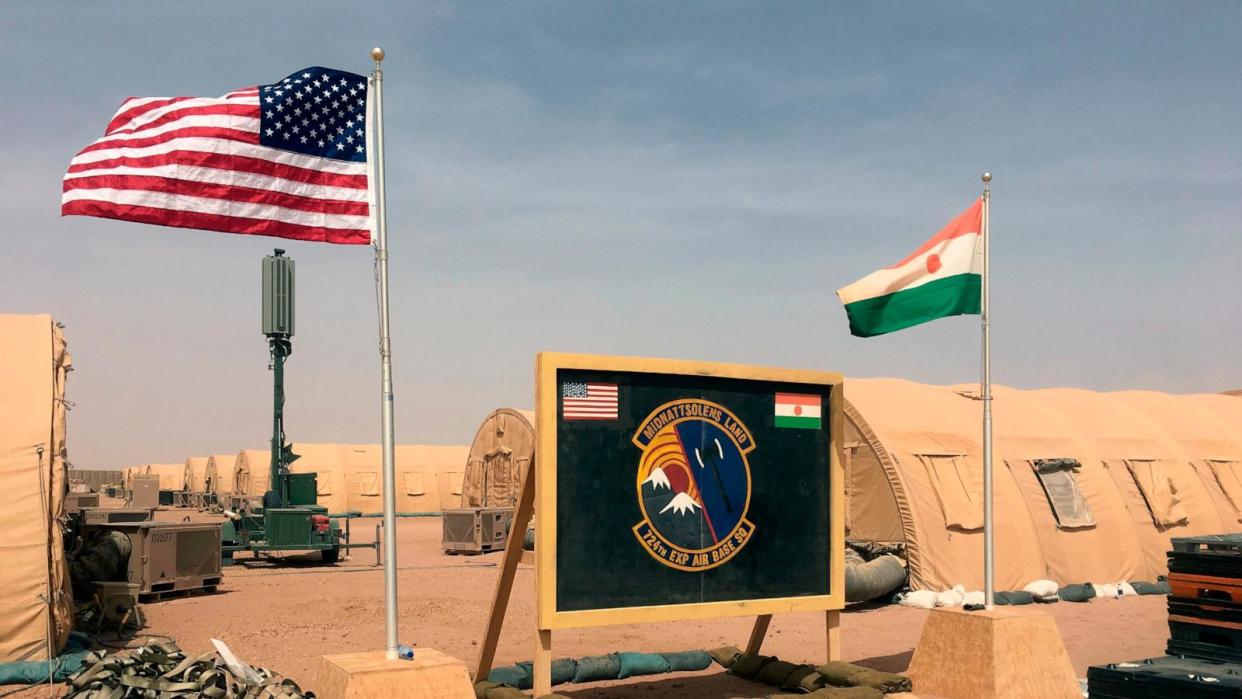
681	504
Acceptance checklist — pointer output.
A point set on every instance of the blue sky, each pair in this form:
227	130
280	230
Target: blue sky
661	179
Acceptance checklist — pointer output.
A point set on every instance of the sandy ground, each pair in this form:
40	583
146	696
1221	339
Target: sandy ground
284	615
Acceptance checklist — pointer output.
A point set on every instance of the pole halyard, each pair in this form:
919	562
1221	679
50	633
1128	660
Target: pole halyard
385	348
989	582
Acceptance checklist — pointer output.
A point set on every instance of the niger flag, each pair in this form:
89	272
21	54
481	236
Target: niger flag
942	278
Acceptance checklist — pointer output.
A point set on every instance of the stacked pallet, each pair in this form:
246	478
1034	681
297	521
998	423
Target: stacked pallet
1205	629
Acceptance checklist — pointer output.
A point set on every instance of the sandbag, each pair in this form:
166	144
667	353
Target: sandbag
1014	597
843	674
920	599
687	661
748	666
1125	589
1106	590
974	598
481	687
520	676
776	672
1077	593
725	656
951	597
868	580
1042	588
598	667
848	693
803	677
503	692
638	664
1146	588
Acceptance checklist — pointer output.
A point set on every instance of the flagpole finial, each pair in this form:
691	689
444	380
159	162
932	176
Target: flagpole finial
987	176
377	54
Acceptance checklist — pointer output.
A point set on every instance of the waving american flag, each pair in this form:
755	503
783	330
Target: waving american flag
288	159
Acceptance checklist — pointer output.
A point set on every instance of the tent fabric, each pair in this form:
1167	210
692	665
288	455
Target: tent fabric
350	476
499	456
218	474
194	475
37	604
172	476
1132	469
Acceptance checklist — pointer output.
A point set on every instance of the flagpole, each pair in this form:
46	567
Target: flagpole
989	584
385	348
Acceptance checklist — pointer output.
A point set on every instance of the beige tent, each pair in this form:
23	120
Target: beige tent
503	449
1089	487
194	475
429	477
218	474
251	472
172	476
324	460
36	603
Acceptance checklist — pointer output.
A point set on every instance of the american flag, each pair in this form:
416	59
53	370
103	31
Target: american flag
588	401
287	159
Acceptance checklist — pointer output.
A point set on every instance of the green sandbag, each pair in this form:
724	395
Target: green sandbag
598	667
1077	593
848	693
725	656
775	673
563	670
687	661
638	664
812	681
518	676
481	687
843	674
794	679
1146	588
1163	585
1014	597
749	665
503	692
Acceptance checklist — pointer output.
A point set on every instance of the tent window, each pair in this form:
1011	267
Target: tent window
1061	488
414	483
454	478
1227	477
1159	492
957	489
368	483
323	483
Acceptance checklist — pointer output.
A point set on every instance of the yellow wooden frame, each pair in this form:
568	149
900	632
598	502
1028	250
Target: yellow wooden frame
548	617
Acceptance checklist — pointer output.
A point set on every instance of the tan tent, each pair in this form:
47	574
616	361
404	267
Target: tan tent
324	460
218	474
36	603
503	448
194	475
251	472
429	477
1089	487
172	476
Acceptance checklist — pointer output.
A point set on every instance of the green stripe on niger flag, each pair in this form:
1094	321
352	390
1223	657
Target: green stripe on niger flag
948	296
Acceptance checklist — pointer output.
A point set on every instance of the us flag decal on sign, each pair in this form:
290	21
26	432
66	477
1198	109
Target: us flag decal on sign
582	400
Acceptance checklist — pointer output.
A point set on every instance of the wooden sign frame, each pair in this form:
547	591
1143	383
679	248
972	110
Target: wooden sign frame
539	494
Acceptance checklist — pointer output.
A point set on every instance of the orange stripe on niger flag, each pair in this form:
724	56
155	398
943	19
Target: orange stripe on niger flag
797	399
969	222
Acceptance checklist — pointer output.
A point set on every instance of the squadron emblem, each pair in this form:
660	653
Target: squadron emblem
693	484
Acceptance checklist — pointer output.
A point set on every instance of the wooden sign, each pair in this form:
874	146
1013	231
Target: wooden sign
670	490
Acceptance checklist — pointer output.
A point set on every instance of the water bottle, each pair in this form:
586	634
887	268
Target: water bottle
405	652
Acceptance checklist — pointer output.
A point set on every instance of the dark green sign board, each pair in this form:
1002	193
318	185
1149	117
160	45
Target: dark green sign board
681	486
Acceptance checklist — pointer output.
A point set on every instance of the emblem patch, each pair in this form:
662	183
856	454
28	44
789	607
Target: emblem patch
693	484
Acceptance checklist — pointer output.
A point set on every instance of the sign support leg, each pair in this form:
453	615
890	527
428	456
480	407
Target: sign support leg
543	662
508	570
832	619
758	633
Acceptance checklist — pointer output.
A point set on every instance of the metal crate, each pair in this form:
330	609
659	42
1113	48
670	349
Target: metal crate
476	529
169	557
110	515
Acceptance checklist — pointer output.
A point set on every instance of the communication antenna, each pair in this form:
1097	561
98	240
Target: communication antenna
278	283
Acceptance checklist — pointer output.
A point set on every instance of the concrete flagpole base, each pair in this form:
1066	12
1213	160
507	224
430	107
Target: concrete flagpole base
370	675
1004	652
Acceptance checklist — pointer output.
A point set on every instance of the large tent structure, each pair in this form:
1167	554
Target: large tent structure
350	476
172	476
1089	487
194	476
503	448
218	474
36	603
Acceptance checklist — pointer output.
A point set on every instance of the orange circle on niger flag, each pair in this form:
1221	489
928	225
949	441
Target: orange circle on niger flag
797	410
933	263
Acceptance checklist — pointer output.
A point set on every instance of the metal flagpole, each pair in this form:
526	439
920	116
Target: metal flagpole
385	348
989	585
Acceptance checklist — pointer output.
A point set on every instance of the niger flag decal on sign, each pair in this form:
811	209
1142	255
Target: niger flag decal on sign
942	278
798	410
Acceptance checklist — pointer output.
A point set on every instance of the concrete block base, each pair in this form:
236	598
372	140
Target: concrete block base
1005	652
370	675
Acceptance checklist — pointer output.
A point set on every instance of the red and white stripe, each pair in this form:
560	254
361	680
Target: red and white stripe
600	403
196	162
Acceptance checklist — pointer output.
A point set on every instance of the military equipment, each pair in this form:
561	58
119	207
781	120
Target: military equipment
476	529
144	492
